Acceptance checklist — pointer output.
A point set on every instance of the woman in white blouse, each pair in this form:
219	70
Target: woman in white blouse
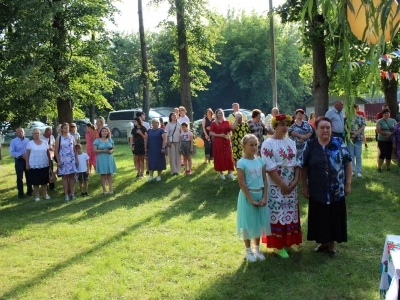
37	164
173	131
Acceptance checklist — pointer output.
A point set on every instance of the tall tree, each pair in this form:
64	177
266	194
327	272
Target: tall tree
195	36
62	65
182	46
145	74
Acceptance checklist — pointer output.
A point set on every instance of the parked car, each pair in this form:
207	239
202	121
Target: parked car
164	111
28	128
81	126
119	121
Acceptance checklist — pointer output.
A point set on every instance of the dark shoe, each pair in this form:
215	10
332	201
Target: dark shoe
86	194
29	194
366	146
387	169
321	248
21	196
380	170
147	172
332	253
82	194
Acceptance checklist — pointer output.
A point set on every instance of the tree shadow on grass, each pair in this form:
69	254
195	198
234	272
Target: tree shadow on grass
197	194
305	275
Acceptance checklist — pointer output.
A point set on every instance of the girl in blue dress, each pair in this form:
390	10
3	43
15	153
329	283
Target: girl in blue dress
252	212
105	164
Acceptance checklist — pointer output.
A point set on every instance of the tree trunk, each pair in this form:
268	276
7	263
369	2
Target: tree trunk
59	64
64	110
186	99
145	66
390	92
320	71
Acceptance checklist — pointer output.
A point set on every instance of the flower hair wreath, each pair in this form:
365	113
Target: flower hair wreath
281	118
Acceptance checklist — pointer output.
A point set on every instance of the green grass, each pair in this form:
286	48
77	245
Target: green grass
176	239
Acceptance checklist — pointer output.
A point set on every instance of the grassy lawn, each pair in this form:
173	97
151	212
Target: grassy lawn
176	239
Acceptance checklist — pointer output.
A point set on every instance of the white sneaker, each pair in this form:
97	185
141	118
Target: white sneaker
231	176
72	197
250	257
259	255
359	175
222	176
158	178
47	197
37	199
150	179
66	198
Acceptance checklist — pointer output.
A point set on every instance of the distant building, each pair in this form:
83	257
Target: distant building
310	103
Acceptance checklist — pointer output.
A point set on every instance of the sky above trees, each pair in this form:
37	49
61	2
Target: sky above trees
127	20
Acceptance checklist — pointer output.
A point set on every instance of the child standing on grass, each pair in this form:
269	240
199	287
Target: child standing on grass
83	170
186	141
252	212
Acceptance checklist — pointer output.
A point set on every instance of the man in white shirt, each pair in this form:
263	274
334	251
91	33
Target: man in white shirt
337	118
274	112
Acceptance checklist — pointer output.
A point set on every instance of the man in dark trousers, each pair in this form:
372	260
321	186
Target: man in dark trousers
17	150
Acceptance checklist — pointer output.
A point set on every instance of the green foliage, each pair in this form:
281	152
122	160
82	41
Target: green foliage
244	74
58	62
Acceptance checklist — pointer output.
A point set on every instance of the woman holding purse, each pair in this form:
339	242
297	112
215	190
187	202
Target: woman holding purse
173	131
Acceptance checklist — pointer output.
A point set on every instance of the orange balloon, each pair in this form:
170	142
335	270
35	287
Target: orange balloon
199	142
359	24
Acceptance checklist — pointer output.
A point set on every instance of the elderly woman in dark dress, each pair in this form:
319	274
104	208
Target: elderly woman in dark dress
156	145
326	180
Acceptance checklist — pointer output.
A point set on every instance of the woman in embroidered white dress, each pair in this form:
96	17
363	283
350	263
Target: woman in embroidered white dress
279	155
37	164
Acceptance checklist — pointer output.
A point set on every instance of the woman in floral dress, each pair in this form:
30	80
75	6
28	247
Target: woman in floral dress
67	160
239	129
279	155
326	180
300	132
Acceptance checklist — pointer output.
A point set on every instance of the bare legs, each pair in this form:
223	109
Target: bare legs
187	161
139	164
68	182
36	191
106	179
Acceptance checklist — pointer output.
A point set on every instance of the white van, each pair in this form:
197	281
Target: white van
118	121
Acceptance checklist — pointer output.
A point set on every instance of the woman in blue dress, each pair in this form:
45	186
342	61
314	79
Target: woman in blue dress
156	143
105	163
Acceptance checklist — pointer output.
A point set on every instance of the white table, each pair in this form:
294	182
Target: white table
390	268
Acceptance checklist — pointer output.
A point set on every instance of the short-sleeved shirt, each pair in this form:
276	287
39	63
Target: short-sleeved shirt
253	170
257	128
337	120
387	126
76	136
173	132
38	155
356	123
82	159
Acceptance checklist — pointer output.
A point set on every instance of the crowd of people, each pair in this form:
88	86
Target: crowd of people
271	158
36	159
